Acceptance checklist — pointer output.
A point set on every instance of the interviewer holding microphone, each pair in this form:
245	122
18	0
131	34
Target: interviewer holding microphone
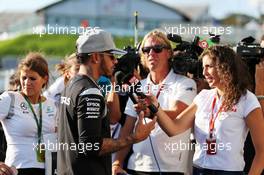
221	117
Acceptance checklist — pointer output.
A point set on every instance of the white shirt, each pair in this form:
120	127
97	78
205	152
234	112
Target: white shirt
115	130
230	130
170	158
55	90
21	130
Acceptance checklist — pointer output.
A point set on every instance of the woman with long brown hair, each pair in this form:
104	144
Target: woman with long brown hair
221	117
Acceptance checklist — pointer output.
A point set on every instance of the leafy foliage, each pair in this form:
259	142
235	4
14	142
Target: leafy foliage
55	45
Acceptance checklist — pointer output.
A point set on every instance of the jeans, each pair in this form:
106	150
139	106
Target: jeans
202	171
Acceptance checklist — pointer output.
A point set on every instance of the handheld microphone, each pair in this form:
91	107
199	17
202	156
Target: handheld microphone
119	76
133	88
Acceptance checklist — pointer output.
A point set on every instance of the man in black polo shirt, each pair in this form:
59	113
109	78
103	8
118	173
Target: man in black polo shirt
84	132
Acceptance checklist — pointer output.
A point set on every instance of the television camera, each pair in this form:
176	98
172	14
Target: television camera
185	58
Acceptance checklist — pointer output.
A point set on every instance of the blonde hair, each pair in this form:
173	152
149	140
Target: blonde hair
66	65
158	35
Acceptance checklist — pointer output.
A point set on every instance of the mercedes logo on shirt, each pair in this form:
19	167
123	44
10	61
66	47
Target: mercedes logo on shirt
23	106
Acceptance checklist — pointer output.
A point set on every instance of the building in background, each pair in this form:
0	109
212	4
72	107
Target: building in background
115	16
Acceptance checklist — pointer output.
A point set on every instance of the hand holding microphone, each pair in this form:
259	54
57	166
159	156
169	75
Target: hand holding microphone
144	103
133	87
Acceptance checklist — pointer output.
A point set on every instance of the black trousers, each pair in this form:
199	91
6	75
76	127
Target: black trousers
152	173
31	171
203	171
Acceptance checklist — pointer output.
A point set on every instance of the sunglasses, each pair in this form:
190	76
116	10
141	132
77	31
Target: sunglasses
156	48
112	57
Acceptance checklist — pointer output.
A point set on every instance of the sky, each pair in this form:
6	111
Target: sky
218	8
23	5
221	8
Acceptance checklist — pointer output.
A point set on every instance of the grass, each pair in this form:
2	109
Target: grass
51	45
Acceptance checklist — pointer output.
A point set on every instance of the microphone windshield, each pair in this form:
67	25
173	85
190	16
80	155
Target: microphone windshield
119	76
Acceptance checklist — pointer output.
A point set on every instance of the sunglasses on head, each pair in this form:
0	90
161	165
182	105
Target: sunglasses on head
156	48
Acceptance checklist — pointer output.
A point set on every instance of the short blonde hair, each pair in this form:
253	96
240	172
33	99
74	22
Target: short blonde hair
158	35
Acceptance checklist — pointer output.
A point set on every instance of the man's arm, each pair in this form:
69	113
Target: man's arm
142	131
120	156
129	126
126	130
91	115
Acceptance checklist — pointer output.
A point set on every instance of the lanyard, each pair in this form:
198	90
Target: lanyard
159	90
213	116
39	123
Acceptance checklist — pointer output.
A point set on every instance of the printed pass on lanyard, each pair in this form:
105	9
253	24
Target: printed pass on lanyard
211	140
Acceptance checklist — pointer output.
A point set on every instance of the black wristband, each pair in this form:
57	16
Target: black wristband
152	113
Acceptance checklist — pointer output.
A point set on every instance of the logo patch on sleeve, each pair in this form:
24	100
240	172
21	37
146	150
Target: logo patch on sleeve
92	108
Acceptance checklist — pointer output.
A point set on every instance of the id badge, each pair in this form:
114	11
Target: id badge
40	153
211	146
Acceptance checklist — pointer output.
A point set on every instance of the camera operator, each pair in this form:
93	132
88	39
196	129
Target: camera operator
174	92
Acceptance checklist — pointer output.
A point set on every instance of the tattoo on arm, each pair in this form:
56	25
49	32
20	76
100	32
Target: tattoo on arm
112	145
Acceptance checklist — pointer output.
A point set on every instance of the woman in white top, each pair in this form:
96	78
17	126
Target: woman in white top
26	116
221	117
